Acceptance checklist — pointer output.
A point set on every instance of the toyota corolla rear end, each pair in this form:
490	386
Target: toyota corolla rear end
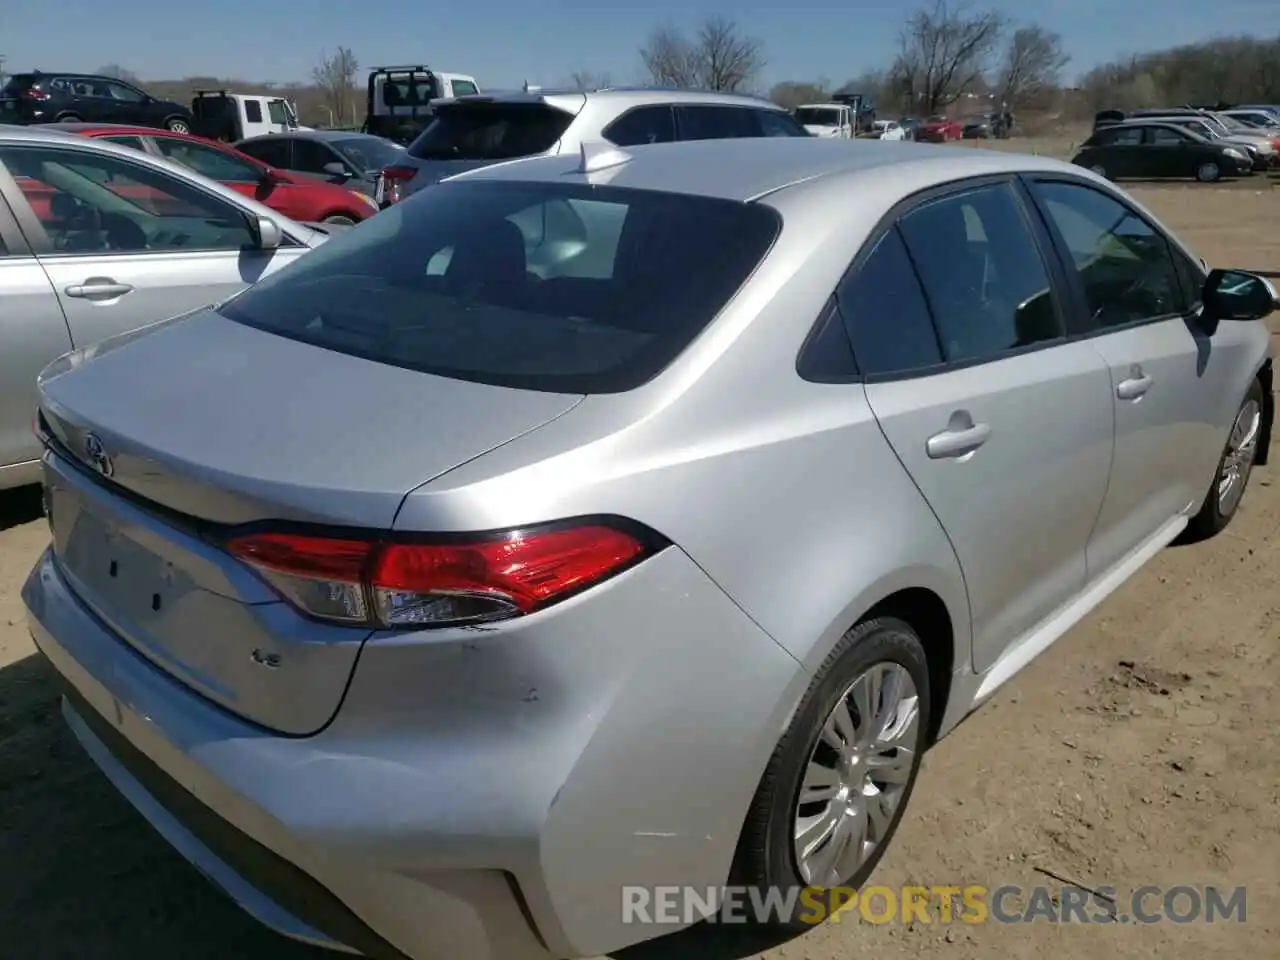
377	718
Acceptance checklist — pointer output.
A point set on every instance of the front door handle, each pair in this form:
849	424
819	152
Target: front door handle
1133	387
98	288
957	440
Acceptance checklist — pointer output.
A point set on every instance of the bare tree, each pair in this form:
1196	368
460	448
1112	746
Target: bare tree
335	76
793	93
1033	60
117	72
943	52
587	80
718	57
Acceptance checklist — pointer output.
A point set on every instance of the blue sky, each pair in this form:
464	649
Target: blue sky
504	42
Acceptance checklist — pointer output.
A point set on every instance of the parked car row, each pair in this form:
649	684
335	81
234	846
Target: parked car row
1182	142
423	592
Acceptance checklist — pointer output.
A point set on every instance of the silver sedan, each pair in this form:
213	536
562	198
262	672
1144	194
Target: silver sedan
97	239
590	525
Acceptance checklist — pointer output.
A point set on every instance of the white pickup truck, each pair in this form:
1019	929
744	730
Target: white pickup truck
827	119
230	117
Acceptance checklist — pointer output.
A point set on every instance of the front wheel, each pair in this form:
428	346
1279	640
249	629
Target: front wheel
838	782
1208	173
177	125
1229	482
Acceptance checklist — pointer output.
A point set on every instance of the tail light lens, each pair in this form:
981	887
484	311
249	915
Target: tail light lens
393	181
31	93
447	583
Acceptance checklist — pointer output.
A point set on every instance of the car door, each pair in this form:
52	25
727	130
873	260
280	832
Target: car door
1169	381
1167	148
1002	421
33	333
125	244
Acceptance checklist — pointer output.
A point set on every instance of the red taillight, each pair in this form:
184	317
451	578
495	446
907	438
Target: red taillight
437	584
393	180
31	93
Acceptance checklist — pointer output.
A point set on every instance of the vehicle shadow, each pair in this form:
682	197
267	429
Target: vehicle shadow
20	505
84	875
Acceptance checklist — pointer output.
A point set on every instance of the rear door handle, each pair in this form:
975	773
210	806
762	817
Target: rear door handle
1133	387
954	442
98	288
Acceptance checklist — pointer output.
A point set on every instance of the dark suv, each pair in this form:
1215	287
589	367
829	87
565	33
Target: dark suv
55	97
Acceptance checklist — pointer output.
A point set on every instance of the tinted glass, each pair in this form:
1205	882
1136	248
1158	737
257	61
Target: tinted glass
643	125
277	112
118	91
818	116
207	161
716	123
95	203
776	123
368	154
1124	264
885	309
253	111
463	88
1118	136
1168	136
16	84
544	286
311	157
982	273
490	131
274	153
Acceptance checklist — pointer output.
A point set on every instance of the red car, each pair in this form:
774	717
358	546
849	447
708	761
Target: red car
939	130
297	197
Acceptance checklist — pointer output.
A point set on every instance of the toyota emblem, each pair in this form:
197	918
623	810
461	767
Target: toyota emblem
96	453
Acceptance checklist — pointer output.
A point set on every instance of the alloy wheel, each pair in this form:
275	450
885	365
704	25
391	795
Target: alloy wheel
1242	447
856	775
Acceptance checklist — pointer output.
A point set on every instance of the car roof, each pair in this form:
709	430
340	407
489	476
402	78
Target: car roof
314	135
747	169
625	95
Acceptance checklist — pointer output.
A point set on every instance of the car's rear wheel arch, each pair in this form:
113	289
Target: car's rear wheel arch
926	613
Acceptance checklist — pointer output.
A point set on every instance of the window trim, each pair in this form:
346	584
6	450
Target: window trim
13	244
1088	328
1049	256
41	245
671	113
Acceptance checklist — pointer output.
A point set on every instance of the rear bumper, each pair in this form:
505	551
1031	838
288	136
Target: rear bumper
437	816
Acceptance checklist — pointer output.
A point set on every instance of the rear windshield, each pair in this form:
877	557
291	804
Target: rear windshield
490	131
369	153
17	83
541	286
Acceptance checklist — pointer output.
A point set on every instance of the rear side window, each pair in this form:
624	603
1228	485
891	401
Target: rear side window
699	122
490	131
253	111
777	123
983	276
643	125
886	313
542	286
16	84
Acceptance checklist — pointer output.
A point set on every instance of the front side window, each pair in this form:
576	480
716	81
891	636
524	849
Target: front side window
699	122
208	161
982	273
776	123
274	153
1168	136
464	88
310	156
542	286
277	113
95	203
119	91
1123	262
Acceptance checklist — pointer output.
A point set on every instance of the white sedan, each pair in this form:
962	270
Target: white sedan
889	130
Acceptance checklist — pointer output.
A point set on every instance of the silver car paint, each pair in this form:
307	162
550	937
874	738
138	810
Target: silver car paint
42	323
633	720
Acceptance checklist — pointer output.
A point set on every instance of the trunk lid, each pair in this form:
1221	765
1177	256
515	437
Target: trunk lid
203	423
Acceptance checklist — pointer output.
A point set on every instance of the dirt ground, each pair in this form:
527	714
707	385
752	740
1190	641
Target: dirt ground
1139	750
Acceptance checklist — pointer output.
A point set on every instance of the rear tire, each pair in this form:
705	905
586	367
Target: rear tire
857	793
1100	170
1209	172
1232	476
340	219
177	125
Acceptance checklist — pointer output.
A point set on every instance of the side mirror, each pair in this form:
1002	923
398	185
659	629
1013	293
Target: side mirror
266	233
269	177
1238	295
336	169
